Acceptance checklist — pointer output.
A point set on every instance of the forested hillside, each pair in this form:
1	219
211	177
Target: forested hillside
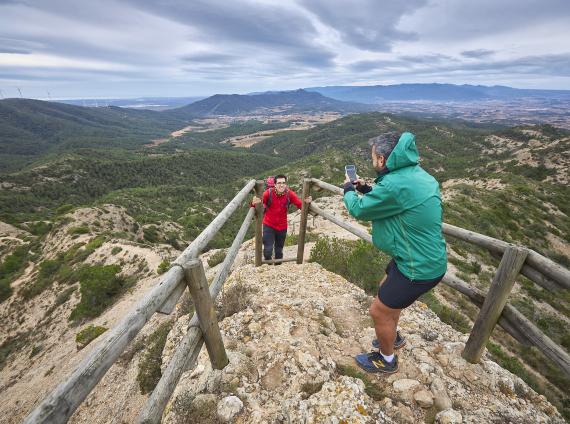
31	128
509	183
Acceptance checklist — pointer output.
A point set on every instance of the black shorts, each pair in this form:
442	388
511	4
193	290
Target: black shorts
399	292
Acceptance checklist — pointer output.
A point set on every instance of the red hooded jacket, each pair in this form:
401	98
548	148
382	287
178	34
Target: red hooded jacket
276	214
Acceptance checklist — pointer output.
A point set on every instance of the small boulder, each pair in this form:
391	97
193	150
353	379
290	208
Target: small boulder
449	416
405	384
424	398
228	408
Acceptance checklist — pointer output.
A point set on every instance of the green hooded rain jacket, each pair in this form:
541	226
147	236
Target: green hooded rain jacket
405	209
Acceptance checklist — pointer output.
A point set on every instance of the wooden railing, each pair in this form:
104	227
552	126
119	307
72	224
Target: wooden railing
187	271
494	307
60	404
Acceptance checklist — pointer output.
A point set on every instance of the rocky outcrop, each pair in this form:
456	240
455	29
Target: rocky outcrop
291	338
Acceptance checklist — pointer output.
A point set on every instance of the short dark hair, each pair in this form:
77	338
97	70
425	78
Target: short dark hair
280	176
385	143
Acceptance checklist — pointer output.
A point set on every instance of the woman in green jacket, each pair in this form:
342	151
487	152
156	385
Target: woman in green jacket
405	209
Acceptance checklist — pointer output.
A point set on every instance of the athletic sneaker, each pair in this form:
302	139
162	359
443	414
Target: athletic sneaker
399	343
375	362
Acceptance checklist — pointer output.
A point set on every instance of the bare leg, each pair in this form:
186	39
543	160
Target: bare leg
385	324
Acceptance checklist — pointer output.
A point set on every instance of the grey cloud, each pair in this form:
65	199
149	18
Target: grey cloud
209	57
366	24
406	61
467	19
549	65
247	27
371	65
236	21
10	50
313	58
428	58
477	53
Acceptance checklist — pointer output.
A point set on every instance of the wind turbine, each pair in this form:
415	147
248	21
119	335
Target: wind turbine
1	94
20	91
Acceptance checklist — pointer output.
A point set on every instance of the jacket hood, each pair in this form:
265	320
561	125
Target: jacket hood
404	154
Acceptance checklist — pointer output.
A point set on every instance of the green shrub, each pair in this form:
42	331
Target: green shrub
149	366
293	239
64	209
99	287
11	268
372	388
83	229
450	316
366	266
39	228
151	234
11	345
46	276
462	265
357	261
116	250
95	244
217	257
88	334
163	267
35	350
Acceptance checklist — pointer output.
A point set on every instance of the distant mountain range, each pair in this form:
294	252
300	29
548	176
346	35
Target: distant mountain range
291	101
375	94
29	128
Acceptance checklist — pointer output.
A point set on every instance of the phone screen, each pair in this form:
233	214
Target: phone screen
351	172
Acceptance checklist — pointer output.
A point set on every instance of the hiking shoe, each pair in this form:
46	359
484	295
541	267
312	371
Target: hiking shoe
375	362
399	343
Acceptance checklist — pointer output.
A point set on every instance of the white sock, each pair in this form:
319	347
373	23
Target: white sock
388	358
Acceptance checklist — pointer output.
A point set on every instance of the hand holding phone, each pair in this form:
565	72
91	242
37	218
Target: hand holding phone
350	171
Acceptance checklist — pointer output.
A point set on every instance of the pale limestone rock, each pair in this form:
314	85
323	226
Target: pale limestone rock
287	368
228	408
405	414
440	397
424	398
449	416
405	385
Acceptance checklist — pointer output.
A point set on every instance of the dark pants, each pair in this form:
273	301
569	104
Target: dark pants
399	292
273	237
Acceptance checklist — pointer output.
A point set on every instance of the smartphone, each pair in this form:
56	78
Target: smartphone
351	172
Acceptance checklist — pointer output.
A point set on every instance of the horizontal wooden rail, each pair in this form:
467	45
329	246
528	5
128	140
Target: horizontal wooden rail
327	186
516	324
537	268
364	235
202	241
189	348
60	404
535	263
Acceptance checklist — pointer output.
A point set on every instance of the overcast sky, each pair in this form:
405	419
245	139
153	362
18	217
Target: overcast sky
136	48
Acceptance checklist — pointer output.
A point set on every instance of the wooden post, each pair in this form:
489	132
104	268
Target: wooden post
495	301
303	223
259	224
188	349
198	285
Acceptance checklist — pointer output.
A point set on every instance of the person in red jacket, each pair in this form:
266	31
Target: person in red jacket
276	202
